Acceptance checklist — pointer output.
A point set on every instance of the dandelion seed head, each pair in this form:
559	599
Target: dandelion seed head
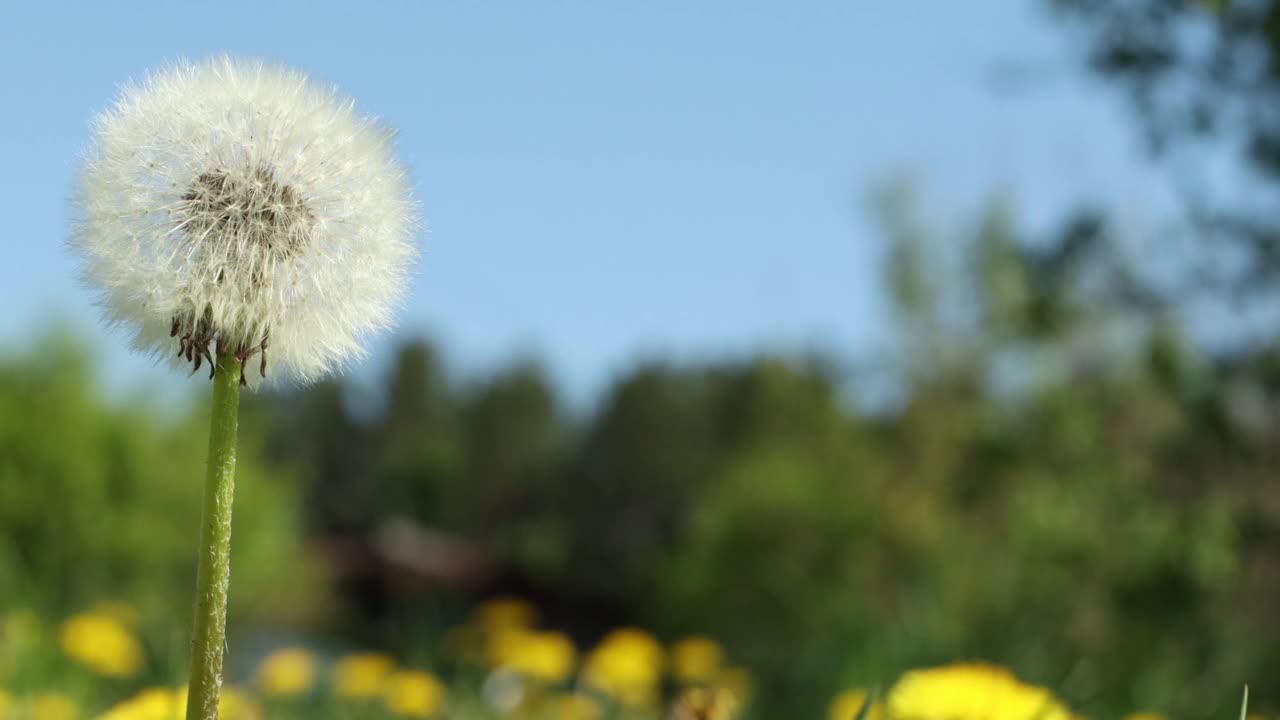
235	205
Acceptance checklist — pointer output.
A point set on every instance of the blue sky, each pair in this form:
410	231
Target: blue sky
604	181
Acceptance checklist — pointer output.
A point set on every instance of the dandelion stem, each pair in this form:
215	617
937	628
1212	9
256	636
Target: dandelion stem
214	574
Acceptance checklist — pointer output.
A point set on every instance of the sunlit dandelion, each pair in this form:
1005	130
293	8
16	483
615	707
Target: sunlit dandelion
970	691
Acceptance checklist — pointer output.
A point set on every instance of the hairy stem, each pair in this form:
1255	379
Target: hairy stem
214	574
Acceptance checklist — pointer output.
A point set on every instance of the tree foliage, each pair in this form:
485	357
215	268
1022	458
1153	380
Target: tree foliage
99	502
1204	78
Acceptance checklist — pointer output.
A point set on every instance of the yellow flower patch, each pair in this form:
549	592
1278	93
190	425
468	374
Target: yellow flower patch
102	643
287	673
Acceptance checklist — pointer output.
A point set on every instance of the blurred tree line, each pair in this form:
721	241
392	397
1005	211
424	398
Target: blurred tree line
1062	482
1051	478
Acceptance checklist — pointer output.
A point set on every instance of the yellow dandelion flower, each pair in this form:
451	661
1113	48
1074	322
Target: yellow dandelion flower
415	694
53	706
362	675
506	612
548	657
849	703
704	704
970	691
171	704
576	706
148	704
695	659
502	643
103	644
628	665
287	672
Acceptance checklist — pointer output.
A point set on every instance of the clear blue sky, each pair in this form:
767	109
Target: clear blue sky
605	180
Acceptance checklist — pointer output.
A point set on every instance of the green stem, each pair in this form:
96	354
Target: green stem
214	575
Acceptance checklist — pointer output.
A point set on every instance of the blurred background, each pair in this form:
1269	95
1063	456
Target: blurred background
854	337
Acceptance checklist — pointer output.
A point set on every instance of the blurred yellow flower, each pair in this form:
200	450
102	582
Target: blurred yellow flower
576	706
415	694
287	672
970	691
6	703
149	704
102	643
506	612
53	706
849	703
695	659
704	704
627	664
1145	716
501	644
171	704
544	656
362	675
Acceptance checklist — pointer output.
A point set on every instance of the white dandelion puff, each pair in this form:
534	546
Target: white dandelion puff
237	206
